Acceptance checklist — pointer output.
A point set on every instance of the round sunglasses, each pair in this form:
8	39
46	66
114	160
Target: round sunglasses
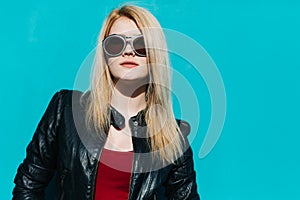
114	45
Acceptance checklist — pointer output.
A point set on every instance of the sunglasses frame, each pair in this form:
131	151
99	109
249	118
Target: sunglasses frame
126	40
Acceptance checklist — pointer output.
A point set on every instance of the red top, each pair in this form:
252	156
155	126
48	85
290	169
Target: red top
113	176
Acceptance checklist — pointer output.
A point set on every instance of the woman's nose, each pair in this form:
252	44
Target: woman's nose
128	50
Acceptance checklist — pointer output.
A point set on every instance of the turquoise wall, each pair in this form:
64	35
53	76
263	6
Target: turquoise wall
254	44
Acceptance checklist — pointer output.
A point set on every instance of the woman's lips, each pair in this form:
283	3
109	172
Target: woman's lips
129	64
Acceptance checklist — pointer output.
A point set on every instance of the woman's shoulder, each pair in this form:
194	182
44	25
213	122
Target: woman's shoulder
67	96
64	93
184	126
64	99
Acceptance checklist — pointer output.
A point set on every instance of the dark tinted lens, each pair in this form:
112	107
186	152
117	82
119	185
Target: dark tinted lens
139	45
114	45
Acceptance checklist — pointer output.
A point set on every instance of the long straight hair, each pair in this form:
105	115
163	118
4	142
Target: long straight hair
162	128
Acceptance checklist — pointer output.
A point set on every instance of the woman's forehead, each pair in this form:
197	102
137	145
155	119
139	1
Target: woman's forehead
124	26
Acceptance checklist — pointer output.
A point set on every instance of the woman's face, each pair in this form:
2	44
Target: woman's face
127	66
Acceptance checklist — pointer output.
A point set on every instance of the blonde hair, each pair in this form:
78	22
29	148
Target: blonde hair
162	128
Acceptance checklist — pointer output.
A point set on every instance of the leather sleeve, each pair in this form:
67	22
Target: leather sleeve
39	165
181	182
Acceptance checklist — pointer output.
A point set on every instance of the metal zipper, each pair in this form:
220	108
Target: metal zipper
95	174
133	159
62	179
132	163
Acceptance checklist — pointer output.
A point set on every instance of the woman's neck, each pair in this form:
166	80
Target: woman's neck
129	97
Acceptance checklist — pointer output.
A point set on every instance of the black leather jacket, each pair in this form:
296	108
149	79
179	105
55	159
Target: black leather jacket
62	158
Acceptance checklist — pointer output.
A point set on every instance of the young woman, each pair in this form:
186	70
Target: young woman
119	139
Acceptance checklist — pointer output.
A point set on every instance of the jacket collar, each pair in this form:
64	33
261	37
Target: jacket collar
117	120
